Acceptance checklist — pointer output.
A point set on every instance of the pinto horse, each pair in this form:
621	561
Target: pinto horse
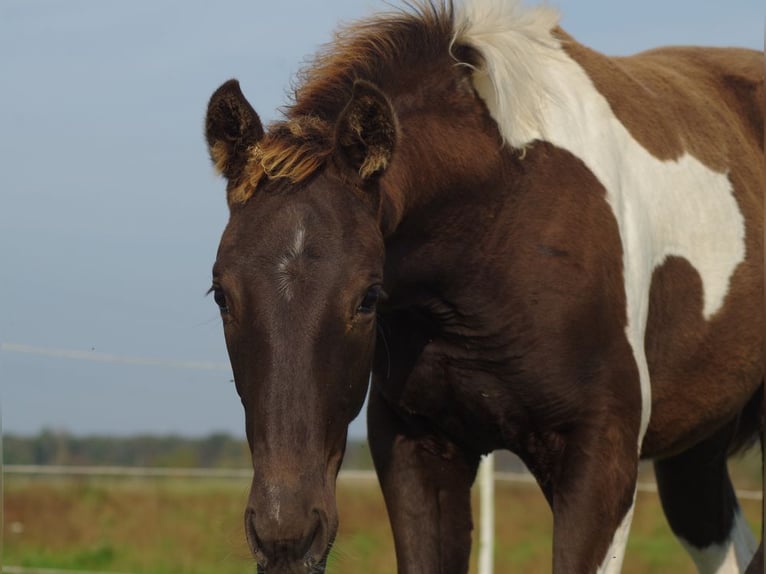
532	246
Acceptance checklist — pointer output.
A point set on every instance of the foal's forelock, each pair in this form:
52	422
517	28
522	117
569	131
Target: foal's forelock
291	150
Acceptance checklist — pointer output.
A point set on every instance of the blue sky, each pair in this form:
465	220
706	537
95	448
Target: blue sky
110	213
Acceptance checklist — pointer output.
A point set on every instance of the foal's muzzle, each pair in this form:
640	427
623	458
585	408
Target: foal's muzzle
281	549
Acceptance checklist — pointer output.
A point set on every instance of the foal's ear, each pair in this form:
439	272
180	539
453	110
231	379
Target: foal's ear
367	131
231	127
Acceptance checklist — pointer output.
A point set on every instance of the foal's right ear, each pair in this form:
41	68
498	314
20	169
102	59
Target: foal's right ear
231	127
367	131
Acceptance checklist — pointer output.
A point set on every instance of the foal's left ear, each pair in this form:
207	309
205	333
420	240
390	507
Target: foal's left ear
231	127
367	131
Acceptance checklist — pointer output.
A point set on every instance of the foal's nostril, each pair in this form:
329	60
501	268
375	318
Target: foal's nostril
316	543
252	536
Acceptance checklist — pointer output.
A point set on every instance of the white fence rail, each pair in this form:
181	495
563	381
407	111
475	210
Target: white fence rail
487	514
236	473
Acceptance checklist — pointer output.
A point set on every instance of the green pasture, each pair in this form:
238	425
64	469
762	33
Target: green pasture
194	526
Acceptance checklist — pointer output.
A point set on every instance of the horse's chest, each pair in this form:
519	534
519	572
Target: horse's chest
455	394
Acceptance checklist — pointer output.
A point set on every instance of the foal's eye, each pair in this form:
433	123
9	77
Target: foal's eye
370	300
220	299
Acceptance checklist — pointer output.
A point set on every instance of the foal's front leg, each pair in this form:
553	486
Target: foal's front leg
426	482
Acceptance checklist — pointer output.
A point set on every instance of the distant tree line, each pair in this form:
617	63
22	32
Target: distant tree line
217	450
58	447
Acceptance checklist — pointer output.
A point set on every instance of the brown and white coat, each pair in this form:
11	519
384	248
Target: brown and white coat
572	251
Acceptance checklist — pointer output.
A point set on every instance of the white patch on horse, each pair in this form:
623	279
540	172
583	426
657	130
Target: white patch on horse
299	241
730	557
294	251
512	40
273	501
535	91
612	563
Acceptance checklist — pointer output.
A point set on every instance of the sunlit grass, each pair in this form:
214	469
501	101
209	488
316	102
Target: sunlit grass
192	526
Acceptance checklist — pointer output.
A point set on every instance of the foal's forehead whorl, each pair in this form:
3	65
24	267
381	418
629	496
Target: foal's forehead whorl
375	49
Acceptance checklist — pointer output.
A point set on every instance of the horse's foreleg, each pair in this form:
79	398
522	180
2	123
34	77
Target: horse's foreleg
592	498
757	564
426	484
701	506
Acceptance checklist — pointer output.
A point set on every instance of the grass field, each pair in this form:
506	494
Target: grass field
193	526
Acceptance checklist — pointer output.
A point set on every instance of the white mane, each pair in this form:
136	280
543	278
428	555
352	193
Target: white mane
516	78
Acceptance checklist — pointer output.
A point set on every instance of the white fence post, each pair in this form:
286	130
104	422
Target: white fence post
487	514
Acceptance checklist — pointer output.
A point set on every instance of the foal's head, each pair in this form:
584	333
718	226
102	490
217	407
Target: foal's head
297	278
